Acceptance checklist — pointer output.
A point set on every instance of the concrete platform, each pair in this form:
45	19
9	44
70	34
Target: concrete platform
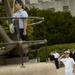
30	69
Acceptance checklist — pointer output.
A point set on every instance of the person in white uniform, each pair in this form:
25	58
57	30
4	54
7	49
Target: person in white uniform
68	63
20	12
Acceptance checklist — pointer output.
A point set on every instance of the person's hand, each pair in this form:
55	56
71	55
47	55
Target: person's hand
63	54
24	33
73	70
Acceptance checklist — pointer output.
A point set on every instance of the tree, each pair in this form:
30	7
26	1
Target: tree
60	26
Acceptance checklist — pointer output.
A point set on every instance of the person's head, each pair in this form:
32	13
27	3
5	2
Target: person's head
55	52
19	5
72	50
51	53
67	54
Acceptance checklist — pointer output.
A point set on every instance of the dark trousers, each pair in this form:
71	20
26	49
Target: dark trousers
57	63
22	36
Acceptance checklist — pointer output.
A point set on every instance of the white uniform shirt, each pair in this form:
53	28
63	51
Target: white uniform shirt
21	13
56	55
68	62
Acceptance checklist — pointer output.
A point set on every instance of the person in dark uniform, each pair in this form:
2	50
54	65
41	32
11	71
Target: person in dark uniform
51	57
56	56
72	54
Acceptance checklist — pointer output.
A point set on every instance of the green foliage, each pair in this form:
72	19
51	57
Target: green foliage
60	26
2	14
32	53
30	30
42	54
3	23
31	56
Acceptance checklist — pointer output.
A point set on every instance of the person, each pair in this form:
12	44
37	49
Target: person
56	56
20	12
51	56
72	54
68	63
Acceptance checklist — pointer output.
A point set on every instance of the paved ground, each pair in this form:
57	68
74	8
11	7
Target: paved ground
61	71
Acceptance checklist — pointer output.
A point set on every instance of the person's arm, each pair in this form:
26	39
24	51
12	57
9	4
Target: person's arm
60	57
24	14
73	67
25	26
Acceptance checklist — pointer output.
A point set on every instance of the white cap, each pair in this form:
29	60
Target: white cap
67	52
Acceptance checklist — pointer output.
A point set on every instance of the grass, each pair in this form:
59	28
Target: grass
59	47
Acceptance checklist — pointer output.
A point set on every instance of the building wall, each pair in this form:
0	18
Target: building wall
46	0
24	1
0	1
72	7
54	5
33	1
